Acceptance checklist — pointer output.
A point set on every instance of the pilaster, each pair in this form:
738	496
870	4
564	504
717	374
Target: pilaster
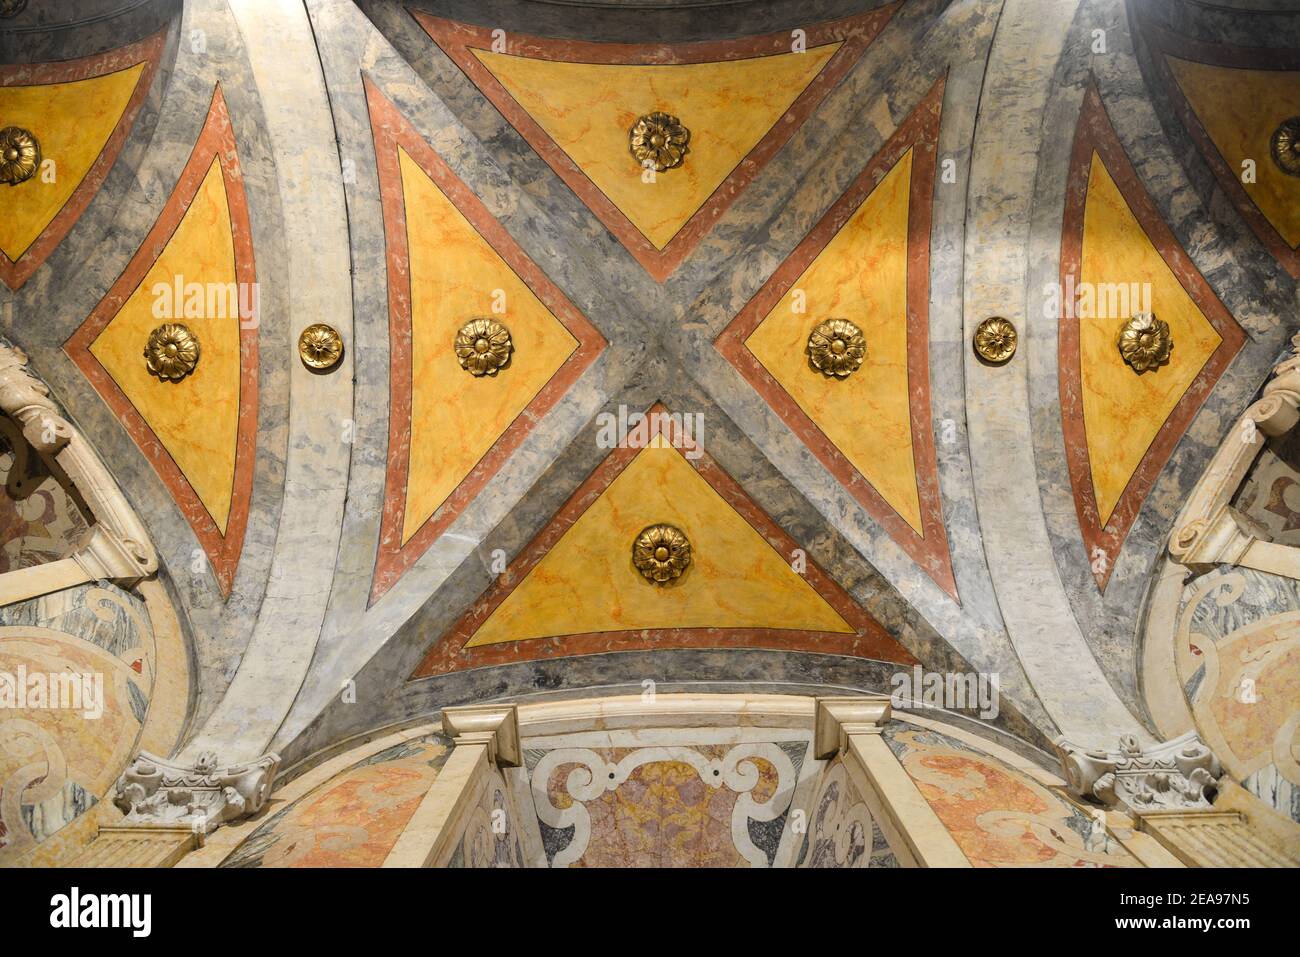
485	737
851	728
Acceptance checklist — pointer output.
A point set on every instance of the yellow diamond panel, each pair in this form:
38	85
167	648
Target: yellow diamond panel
72	122
587	582
1123	411
1240	110
588	109
861	276
197	418
457	276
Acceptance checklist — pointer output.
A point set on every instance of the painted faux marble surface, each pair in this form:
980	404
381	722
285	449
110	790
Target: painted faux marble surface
96	250
39	521
491	836
1258	297
664	807
867	259
676	797
841	831
457	567
576	589
999	816
1119	425
1238	657
201	243
573	102
60	755
1271	493
449	262
84	109
299	614
352	820
1231	98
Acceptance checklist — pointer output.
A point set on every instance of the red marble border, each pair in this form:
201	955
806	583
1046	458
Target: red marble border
390	129
1095	134
148	52
450	654
457	40
1163	42
919	133
216	141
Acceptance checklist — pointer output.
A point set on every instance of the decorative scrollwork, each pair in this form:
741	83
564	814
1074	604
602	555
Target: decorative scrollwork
588	775
1176	774
203	795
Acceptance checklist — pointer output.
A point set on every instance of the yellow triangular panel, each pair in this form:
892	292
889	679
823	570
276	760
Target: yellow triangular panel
588	109
197	418
456	276
1240	110
587	582
72	122
1123	411
861	275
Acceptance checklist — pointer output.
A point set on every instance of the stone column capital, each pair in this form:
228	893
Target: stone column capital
1178	775
154	791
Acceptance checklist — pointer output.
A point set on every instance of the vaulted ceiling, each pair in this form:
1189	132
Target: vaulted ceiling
453	512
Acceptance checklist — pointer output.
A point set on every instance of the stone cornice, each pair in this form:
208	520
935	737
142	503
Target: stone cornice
495	726
838	718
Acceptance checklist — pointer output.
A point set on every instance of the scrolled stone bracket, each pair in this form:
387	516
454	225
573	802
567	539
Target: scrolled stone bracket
1177	775
487	740
117	547
1225	537
26	400
851	730
1209	531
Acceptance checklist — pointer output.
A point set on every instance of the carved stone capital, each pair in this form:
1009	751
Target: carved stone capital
155	791
1180	774
837	718
494	726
